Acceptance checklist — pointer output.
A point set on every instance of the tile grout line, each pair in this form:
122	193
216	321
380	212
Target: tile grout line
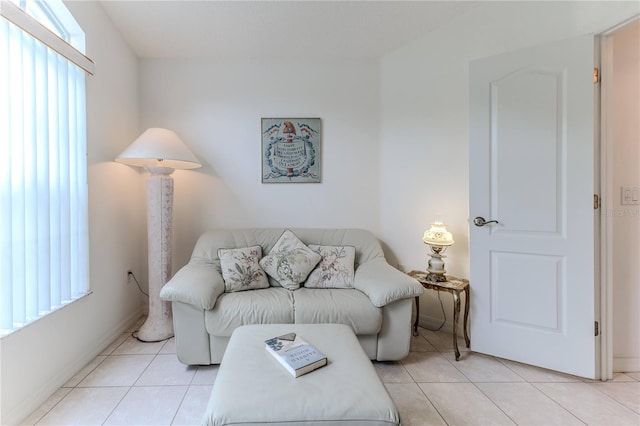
557	402
173	419
115	407
474	383
597	385
130	388
71	388
422	390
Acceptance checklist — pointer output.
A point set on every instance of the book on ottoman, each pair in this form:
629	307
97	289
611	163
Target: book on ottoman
295	354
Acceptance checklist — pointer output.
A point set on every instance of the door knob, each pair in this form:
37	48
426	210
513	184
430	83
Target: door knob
480	221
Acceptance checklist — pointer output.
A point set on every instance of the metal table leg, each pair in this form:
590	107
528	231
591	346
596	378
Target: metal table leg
456	315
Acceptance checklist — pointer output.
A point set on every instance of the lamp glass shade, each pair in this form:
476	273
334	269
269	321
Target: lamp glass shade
438	235
158	147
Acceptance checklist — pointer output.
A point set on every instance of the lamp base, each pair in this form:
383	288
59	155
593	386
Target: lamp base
435	266
438	278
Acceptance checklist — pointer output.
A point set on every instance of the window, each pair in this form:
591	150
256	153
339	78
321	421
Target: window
43	168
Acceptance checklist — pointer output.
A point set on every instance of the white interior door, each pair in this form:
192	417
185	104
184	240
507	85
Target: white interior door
532	170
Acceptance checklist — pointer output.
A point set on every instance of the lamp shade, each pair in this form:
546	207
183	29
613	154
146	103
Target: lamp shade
158	147
438	235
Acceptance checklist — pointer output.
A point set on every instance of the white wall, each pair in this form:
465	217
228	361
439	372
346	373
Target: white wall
424	115
41	357
624	135
216	106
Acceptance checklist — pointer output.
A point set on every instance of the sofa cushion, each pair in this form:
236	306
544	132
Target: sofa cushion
241	270
340	305
273	305
290	261
335	269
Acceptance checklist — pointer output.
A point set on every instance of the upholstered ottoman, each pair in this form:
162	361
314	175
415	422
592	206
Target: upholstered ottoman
252	388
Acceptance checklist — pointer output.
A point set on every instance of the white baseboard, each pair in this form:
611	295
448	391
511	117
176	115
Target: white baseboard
624	365
40	396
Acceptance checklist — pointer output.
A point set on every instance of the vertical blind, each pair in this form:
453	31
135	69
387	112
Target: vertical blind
43	179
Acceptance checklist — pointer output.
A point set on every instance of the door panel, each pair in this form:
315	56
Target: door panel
532	170
529	148
532	278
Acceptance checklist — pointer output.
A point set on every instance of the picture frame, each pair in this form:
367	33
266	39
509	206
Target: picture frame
291	150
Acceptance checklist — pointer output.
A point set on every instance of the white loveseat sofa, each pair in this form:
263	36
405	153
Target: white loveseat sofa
378	308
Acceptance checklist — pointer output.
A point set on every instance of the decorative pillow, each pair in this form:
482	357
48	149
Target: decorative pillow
290	261
241	269
335	270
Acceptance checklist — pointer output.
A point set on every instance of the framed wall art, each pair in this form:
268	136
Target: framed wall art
291	150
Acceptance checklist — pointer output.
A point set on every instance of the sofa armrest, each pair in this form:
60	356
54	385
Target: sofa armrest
384	284
197	283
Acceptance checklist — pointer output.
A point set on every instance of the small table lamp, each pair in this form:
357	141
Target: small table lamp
438	238
160	152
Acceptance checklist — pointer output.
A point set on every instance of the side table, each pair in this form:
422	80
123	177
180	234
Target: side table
454	286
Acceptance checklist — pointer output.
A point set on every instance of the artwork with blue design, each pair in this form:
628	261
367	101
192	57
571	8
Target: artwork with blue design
290	150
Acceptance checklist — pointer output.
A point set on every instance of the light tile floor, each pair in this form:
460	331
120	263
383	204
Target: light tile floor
135	383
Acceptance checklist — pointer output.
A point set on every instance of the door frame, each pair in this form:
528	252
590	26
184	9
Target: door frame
603	59
604	251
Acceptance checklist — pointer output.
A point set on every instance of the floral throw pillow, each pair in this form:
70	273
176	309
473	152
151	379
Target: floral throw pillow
241	269
335	270
290	261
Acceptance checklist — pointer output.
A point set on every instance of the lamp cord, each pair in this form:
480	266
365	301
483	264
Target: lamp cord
138	284
134	333
444	316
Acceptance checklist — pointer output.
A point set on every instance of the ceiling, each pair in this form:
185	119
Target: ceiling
276	29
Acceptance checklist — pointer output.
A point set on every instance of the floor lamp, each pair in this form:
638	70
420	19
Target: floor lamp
160	152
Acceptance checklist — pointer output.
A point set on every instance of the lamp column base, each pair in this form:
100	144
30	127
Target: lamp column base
156	329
